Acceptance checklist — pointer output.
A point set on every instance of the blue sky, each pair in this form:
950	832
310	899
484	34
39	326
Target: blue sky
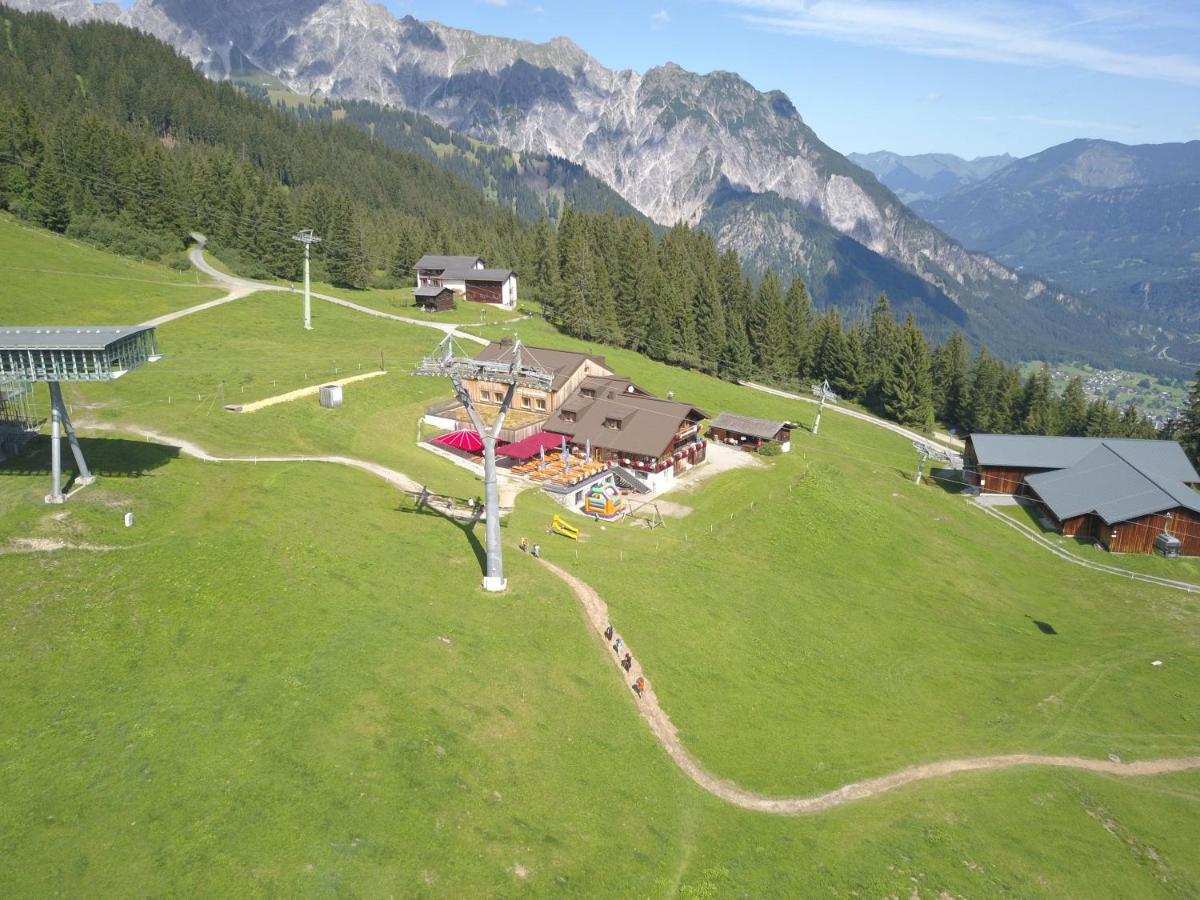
906	75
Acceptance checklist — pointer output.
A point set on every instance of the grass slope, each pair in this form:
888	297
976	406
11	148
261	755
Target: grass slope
52	280
252	694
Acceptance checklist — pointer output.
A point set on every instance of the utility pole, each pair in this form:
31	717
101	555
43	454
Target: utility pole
307	238
821	406
514	372
926	451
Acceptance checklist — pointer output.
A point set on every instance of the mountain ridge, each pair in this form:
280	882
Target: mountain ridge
666	140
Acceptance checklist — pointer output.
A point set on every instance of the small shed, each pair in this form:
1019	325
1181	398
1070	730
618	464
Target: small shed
750	433
434	297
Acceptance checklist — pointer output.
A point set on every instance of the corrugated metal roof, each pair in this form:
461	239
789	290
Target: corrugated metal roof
762	428
1023	451
1108	483
66	337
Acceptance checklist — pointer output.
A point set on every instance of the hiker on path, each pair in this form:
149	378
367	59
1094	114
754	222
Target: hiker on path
608	632
537	551
639	685
627	662
524	545
617	646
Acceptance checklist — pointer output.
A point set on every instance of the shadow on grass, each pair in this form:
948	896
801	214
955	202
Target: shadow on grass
1043	627
106	457
467	528
949	480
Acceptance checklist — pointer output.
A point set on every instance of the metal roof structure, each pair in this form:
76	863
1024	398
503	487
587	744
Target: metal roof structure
1115	484
759	428
448	262
59	353
1024	451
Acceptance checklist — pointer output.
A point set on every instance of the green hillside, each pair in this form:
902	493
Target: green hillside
286	680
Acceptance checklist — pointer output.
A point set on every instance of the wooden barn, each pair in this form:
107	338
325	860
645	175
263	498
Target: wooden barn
434	298
749	433
1120	492
468	277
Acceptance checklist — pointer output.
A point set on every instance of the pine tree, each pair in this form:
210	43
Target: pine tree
907	387
949	372
736	360
980	412
768	328
710	321
577	285
49	204
1072	409
800	323
346	257
545	263
638	268
881	344
1038	411
1189	424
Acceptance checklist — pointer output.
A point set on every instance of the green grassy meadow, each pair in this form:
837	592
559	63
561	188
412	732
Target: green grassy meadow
284	680
51	280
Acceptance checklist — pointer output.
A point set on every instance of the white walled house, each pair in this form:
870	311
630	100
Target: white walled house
469	278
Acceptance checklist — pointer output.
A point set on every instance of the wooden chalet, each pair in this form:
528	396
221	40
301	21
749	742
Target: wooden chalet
1122	493
468	277
531	406
617	423
434	298
749	433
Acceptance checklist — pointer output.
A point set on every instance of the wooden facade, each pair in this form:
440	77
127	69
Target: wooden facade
485	291
444	300
999	480
487	393
745	441
1136	535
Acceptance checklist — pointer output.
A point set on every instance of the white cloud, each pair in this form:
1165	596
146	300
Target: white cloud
1010	33
660	19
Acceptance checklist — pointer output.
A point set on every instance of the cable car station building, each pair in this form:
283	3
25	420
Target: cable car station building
57	353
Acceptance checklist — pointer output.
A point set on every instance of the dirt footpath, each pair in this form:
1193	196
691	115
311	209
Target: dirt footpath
663	728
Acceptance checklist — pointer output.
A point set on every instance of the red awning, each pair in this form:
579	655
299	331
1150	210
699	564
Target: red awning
461	440
532	445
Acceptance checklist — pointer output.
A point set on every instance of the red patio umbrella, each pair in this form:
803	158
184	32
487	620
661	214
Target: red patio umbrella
470	441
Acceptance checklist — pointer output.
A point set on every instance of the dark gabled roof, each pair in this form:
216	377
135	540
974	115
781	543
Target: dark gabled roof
447	262
1021	451
760	428
647	423
1110	484
480	274
66	337
563	363
430	290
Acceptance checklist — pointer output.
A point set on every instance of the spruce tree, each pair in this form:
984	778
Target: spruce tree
544	273
768	327
346	257
736	360
1072	409
710	321
1038	409
800	323
50	205
907	387
881	344
949	371
1189	422
980	413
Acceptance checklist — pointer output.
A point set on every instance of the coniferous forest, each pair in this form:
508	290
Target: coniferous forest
110	136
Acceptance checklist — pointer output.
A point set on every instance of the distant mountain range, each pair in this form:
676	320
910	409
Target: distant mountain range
927	176
709	150
1115	222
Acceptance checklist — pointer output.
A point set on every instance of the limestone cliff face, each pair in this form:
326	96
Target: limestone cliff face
669	141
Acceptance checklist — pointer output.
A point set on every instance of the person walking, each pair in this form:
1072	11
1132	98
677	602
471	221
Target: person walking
608	632
617	646
627	662
524	545
537	551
